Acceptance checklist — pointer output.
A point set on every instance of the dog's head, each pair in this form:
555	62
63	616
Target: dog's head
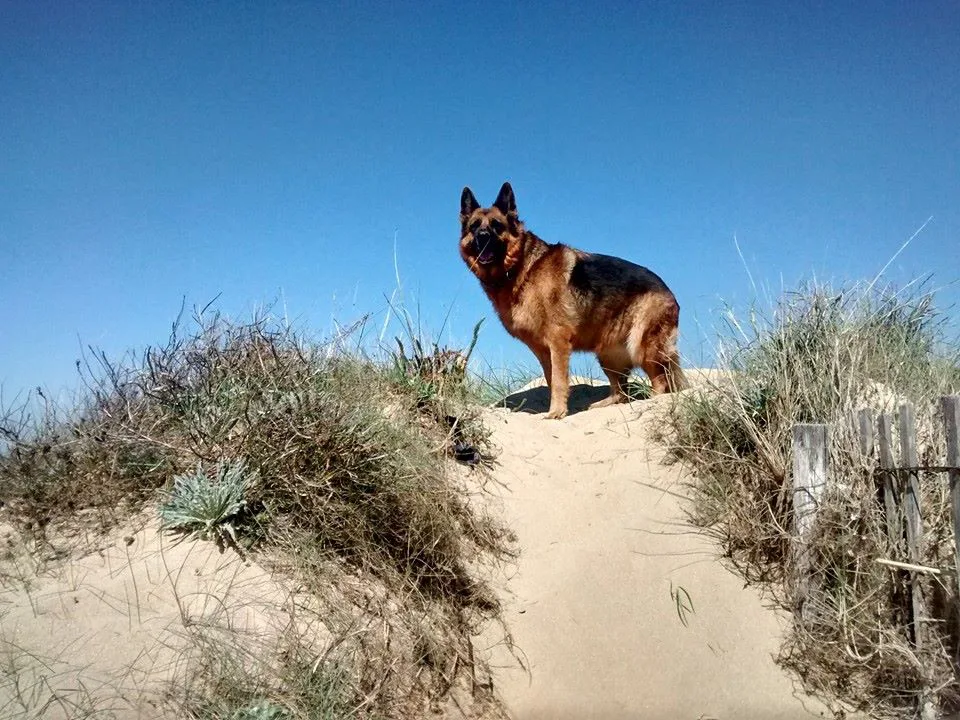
490	238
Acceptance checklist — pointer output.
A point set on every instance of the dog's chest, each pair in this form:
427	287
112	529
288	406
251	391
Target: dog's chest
521	311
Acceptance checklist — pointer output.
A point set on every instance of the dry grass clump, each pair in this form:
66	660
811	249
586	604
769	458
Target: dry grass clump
325	462
819	357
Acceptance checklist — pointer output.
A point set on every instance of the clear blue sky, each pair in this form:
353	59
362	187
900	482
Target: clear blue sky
150	151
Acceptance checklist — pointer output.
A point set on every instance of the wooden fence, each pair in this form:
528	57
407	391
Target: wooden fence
900	488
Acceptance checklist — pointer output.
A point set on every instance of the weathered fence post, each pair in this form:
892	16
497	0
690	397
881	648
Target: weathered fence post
911	507
865	422
891	500
951	424
809	480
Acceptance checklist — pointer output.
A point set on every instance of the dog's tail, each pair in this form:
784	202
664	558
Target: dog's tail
670	362
676	379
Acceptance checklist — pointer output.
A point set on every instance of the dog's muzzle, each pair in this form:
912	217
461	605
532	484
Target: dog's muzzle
485	244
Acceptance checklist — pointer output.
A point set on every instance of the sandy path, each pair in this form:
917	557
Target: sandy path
589	602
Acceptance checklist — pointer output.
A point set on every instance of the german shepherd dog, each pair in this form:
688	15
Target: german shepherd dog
557	300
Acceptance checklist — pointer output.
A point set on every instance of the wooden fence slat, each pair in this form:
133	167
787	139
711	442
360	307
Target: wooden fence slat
865	422
911	488
890	485
951	424
911	506
809	480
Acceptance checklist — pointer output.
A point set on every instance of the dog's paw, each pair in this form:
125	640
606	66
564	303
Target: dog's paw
556	414
606	402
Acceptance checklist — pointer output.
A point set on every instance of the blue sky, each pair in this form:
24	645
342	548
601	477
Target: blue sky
259	151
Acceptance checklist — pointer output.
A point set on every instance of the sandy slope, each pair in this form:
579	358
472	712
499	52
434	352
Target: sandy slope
107	631
589	601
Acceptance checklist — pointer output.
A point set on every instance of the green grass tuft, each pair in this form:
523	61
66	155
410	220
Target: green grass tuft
208	508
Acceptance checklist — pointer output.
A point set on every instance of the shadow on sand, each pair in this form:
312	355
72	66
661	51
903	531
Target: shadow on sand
537	400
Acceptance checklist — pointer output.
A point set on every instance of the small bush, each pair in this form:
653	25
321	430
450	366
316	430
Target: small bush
819	357
263	710
441	390
235	676
345	463
208	508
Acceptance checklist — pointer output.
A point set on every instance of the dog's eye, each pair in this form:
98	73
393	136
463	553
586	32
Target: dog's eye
474	226
496	226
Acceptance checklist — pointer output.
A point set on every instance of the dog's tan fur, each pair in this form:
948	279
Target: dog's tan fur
557	300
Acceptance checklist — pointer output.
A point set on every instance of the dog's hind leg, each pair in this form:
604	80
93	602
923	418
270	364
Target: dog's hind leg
616	366
663	372
656	350
670	362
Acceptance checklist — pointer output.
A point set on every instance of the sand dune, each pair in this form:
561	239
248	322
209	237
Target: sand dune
592	601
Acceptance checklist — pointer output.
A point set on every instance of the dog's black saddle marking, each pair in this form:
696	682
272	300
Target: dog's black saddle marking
607	275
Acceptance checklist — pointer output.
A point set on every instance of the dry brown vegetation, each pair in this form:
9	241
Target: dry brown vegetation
819	357
311	458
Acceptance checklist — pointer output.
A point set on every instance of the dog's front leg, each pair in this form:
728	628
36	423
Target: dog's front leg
559	381
543	355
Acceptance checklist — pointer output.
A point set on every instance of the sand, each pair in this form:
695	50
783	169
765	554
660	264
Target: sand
592	601
107	631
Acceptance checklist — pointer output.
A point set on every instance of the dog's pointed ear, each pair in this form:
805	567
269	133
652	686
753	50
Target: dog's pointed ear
468	203
506	202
